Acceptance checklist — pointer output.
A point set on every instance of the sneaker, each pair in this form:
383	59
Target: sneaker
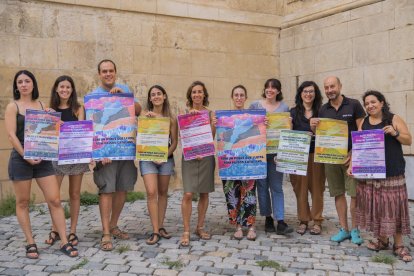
283	228
269	224
356	237
341	236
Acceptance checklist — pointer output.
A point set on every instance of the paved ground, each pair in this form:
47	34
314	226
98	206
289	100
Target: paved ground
307	255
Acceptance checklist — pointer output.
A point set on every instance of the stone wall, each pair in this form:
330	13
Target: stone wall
369	47
153	42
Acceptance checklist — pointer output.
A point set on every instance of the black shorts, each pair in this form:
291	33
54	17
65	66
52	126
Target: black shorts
20	169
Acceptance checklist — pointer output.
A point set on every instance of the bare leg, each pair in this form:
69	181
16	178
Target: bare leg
163	182
151	186
59	180
118	201
341	209
105	207
352	210
202	209
186	208
22	191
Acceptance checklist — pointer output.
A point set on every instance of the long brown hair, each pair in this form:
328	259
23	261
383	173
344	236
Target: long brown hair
190	89
73	99
166	109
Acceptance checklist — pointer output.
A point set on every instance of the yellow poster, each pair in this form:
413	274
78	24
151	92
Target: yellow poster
152	139
276	122
331	143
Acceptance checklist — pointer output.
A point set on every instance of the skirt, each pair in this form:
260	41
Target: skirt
198	175
70	169
382	206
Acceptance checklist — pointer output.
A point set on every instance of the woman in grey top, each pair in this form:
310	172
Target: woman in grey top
272	102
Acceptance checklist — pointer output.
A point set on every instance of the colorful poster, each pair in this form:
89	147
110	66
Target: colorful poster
368	154
276	122
41	135
75	142
114	125
152	139
331	142
241	144
293	152
195	134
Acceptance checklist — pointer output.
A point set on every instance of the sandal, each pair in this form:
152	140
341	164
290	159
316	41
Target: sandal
185	239
164	234
251	234
238	235
302	228
73	239
31	250
403	253
68	249
106	245
316	229
378	245
118	233
153	239
202	234
53	237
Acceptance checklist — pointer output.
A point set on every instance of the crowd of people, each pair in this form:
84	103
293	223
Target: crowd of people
379	206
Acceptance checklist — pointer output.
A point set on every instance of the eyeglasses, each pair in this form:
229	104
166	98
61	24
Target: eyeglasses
309	92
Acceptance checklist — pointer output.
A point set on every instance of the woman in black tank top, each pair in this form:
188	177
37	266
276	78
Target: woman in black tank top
21	171
382	204
64	99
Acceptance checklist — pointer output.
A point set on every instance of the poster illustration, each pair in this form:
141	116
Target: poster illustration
75	142
152	139
114	124
241	144
41	135
277	122
195	134
331	141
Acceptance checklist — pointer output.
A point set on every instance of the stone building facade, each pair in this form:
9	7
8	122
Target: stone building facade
369	44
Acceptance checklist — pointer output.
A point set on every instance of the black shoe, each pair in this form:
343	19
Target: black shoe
269	225
283	228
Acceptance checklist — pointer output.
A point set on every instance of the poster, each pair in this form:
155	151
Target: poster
331	142
241	144
368	154
195	134
152	139
293	152
276	122
41	135
75	142
114	124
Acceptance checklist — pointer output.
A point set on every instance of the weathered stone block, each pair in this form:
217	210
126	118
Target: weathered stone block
38	53
76	55
333	56
367	10
372	24
402	43
371	49
175	61
208	64
9	50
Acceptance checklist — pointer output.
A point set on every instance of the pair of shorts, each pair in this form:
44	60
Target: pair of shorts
338	181
117	176
20	169
70	169
149	167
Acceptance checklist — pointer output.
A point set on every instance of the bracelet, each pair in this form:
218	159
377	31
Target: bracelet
397	133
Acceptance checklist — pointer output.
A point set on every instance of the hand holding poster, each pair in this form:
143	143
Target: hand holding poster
277	122
195	134
152	139
241	144
114	124
75	142
41	135
368	154
331	142
293	152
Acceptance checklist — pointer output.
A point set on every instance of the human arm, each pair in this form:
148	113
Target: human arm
174	136
81	113
213	122
399	130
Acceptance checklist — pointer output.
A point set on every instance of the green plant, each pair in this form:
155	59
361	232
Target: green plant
80	265
271	264
122	248
178	264
8	205
133	196
89	199
382	258
195	197
66	209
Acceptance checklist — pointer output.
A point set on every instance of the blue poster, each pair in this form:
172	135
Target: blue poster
241	144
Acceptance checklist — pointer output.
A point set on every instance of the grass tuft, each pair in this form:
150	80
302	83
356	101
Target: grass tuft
134	196
123	248
178	264
66	209
80	265
8	205
385	259
87	198
271	264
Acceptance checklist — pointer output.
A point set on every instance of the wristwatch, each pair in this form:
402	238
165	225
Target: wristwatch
397	133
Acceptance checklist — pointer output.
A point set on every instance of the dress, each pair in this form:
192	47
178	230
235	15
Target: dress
69	169
382	204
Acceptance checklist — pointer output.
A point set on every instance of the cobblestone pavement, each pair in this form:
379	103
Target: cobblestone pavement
222	255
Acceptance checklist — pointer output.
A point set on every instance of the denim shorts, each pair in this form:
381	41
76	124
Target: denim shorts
20	169
149	167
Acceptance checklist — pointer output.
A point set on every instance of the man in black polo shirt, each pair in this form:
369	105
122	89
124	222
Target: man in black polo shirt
340	107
